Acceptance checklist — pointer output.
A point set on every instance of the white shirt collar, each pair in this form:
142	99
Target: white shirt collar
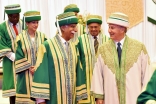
121	41
62	39
96	36
12	23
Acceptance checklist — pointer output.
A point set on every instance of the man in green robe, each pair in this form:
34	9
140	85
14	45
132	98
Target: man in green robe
88	45
8	32
80	25
59	77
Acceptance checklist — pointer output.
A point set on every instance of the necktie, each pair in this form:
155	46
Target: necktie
15	29
119	51
66	46
96	44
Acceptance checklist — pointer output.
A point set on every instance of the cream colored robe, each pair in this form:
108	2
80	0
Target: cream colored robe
120	84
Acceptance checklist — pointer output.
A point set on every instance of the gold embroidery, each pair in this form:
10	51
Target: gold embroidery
31	13
40	90
26	100
40	85
133	51
20	61
22	95
8	91
81	92
40	55
10	35
99	96
81	87
107	54
5	50
56	60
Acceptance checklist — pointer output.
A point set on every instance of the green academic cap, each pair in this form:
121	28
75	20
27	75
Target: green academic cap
31	16
71	8
94	19
12	9
66	19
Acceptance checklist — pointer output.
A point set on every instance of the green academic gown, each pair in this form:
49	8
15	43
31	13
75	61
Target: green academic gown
88	58
148	95
59	78
7	44
26	51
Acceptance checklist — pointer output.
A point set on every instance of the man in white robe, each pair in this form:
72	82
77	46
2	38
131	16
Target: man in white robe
122	67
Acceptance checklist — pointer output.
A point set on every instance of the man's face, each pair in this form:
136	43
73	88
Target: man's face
116	32
69	31
14	18
94	29
32	26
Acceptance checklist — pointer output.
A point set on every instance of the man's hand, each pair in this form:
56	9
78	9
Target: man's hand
32	70
99	101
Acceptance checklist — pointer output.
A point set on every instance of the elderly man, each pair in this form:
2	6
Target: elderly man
59	78
8	32
80	25
88	45
122	67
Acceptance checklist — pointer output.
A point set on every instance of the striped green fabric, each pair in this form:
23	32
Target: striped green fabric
59	77
7	40
88	57
26	52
